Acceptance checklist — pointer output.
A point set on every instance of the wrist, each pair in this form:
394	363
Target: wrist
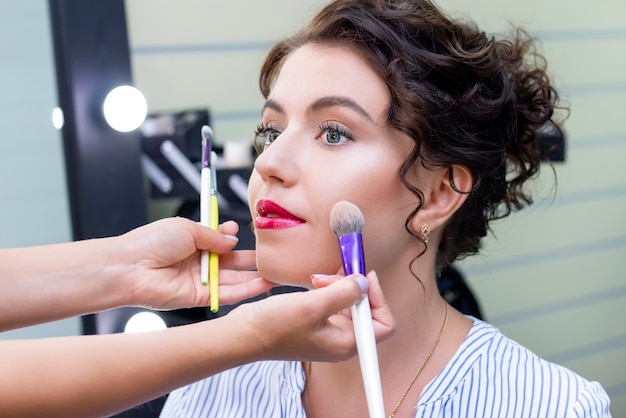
117	273
113	275
258	344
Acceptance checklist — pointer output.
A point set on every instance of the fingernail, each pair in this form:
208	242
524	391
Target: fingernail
232	238
363	283
318	276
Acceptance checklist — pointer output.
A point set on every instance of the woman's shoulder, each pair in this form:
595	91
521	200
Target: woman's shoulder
496	353
492	371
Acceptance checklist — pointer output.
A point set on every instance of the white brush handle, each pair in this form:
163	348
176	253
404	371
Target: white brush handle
205	216
368	357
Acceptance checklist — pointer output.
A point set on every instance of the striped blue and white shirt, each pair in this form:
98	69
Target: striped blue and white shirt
489	376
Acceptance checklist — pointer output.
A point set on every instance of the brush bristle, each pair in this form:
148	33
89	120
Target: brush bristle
206	132
346	218
207	137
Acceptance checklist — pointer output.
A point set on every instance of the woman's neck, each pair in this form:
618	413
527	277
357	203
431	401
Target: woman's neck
419	312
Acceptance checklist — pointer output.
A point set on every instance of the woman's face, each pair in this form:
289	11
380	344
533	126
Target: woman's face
327	140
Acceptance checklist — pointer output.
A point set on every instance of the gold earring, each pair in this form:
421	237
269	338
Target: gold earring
425	233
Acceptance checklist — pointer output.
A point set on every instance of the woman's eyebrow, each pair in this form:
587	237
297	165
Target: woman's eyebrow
272	104
322	103
332	101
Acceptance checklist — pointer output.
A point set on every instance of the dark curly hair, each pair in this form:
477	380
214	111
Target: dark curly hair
465	98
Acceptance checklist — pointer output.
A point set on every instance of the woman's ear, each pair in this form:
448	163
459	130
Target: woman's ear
446	192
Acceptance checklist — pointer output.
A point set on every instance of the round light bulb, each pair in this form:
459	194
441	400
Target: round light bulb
125	108
57	118
144	321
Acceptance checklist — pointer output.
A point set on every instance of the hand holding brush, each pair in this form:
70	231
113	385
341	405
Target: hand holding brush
347	222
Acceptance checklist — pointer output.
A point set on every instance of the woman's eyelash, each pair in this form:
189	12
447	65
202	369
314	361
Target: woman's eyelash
264	135
337	129
329	126
260	130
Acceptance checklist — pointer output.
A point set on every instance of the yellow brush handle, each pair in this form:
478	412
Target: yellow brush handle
214	260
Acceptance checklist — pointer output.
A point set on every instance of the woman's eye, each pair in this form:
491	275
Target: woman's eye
271	136
334	135
264	136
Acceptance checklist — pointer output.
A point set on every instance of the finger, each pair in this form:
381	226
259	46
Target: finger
230	294
323	280
239	260
337	296
207	238
229	228
233	277
375	292
384	323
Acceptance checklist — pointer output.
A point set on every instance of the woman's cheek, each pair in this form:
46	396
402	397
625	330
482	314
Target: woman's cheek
293	265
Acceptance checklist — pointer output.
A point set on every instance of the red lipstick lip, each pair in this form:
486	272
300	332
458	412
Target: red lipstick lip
270	215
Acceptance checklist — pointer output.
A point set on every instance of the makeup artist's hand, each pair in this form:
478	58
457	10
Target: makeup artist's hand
315	325
160	264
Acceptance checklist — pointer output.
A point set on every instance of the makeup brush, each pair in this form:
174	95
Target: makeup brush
346	221
214	222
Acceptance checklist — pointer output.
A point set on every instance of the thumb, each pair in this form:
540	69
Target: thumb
323	280
341	294
208	239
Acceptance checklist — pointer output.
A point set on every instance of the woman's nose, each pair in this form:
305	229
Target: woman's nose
279	160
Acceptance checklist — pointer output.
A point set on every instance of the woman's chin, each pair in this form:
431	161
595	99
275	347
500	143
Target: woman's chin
285	277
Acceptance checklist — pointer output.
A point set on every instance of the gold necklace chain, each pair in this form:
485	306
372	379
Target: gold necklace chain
421	368
307	373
